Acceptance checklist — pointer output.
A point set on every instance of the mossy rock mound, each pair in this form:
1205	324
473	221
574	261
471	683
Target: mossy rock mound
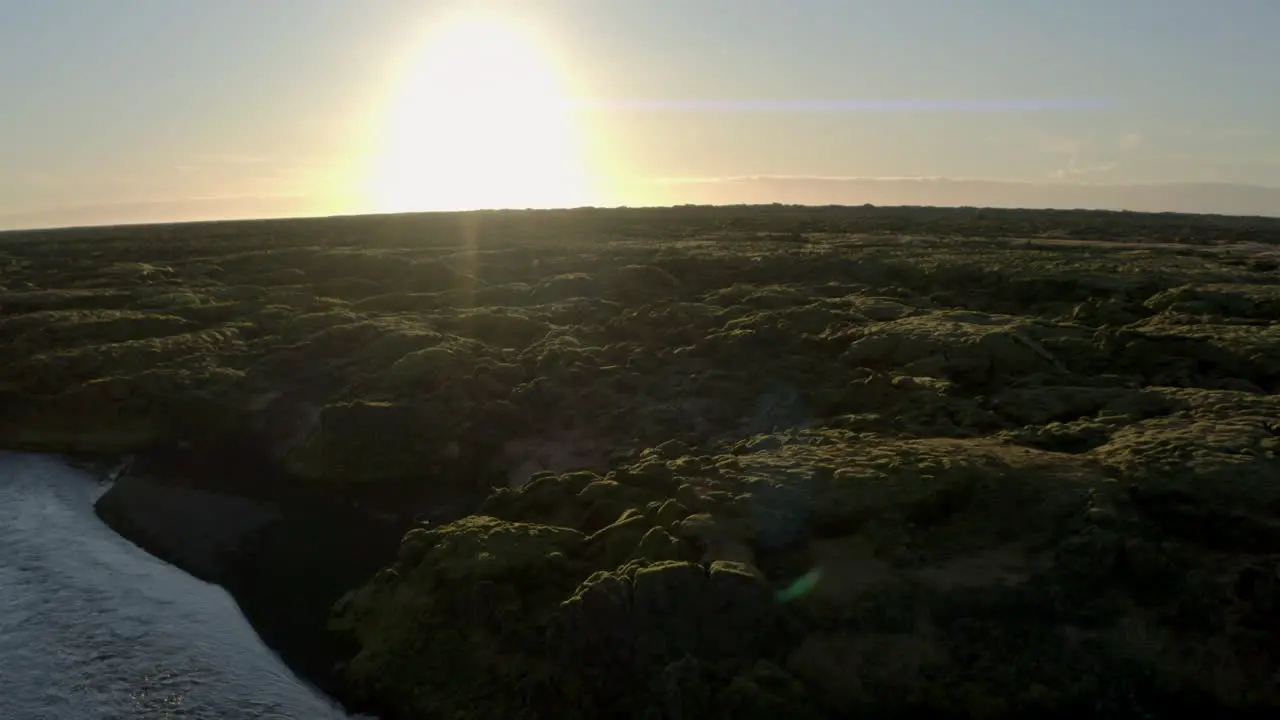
909	406
372	442
123	414
622	631
37	332
583	500
966	346
690	688
566	286
456	627
639	284
499	328
1238	300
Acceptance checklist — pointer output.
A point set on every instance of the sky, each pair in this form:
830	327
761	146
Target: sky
154	110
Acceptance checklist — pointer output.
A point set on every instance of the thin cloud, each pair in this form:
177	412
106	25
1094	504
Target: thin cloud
817	178
237	159
1128	141
241	196
849	105
1244	134
206	163
1075	170
1061	145
43	180
1075	152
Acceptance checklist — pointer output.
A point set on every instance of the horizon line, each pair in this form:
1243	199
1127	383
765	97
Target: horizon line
1047	182
660	206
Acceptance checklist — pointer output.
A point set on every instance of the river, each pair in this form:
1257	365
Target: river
93	628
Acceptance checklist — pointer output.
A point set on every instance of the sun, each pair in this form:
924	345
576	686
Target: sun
481	119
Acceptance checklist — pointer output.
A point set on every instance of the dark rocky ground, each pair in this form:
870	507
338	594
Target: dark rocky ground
1030	457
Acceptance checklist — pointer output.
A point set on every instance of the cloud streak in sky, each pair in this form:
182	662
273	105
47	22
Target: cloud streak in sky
847	106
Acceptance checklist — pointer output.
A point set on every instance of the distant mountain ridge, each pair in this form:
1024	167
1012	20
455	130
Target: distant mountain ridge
1197	198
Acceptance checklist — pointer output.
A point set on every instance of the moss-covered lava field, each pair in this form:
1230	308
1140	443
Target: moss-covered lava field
1020	463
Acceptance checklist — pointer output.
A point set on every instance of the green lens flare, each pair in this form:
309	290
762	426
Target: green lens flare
801	587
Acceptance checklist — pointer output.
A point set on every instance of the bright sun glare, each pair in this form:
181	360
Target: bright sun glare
481	120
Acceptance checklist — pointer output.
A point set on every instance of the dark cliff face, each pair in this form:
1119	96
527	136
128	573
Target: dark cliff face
284	551
200	531
289	575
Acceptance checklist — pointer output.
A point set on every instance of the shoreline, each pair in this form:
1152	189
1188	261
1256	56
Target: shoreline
115	615
177	516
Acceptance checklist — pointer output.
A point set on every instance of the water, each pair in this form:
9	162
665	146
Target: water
91	627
